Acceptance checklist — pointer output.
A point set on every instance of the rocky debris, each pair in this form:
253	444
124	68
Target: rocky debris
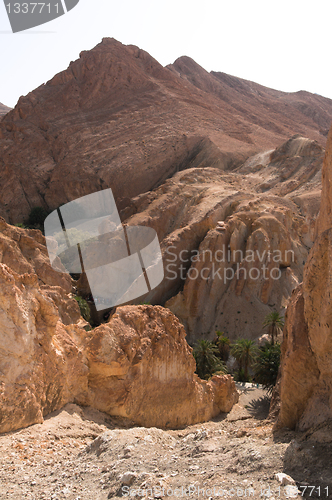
117	118
284	479
138	365
305	384
82	453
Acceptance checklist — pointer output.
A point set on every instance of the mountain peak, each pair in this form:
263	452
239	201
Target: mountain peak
116	117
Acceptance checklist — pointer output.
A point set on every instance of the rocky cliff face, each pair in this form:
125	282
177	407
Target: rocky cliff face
306	370
234	247
117	118
139	365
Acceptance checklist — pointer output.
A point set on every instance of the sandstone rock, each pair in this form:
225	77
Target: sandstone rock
324	221
41	365
200	212
139	365
141	368
306	373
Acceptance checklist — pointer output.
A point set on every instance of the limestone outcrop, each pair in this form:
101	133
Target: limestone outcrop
306	370
138	365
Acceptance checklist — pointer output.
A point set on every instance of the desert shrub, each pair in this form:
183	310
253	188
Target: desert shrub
84	308
37	217
239	376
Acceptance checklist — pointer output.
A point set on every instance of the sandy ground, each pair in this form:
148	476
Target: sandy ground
82	454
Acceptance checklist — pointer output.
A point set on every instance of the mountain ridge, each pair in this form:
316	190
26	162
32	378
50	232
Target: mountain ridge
117	118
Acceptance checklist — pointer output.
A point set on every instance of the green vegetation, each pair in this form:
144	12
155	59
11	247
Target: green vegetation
275	323
36	218
207	363
266	365
244	351
84	308
223	343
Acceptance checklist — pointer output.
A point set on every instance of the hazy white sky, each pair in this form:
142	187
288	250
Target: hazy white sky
284	44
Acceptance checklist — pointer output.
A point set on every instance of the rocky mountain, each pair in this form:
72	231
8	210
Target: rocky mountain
205	159
305	388
117	118
4	109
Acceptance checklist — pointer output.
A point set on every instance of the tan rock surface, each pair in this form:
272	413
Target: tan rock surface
139	365
306	370
199	212
117	118
41	367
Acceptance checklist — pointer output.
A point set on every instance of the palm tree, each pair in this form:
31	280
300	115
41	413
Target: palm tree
266	365
223	344
275	322
244	351
207	362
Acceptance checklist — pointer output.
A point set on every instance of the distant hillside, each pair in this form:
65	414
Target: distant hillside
4	109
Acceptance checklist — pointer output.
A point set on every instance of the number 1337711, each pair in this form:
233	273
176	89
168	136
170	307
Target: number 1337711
32	8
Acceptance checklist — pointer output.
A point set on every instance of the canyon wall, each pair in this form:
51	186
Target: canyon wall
306	368
137	366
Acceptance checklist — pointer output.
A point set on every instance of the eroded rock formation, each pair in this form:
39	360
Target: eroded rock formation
306	369
234	245
139	365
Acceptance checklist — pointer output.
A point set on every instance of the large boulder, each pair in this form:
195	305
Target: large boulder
141	367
